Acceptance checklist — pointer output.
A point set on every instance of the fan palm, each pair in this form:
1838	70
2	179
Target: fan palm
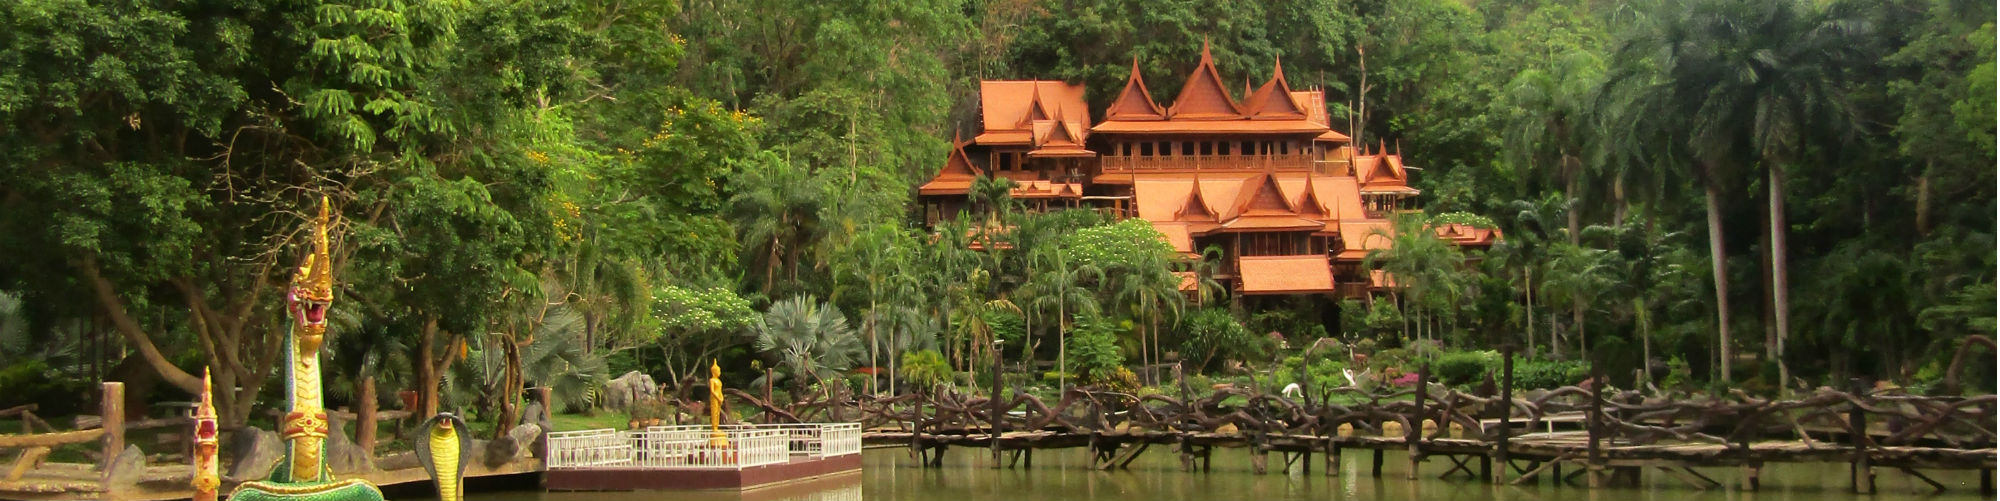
809	342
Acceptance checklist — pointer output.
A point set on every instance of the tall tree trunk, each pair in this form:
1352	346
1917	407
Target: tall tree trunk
426	379
1582	331
1619	206
1529	272
510	388
1767	313
1924	201
1062	348
873	346
1712	196
1574	194
1781	300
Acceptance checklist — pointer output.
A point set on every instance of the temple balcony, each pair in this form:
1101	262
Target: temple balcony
1168	163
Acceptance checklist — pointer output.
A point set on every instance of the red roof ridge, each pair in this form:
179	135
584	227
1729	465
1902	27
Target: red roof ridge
1203	96
1310	200
1274	99
1195	201
1135	102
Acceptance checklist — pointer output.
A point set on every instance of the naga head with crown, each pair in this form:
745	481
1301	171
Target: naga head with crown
312	285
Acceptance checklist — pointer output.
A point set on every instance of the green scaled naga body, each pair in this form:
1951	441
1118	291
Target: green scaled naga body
303	473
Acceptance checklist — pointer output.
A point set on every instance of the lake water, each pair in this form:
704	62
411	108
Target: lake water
891	474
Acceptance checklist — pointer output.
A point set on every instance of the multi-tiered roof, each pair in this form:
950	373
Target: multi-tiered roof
1268	163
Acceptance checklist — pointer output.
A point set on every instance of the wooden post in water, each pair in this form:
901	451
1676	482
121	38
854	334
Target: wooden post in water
1594	427
1861	476
1506	409
113	408
1415	435
1333	455
995	401
364	430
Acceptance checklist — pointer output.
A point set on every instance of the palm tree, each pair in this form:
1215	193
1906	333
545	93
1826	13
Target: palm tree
1550	125
809	341
1149	292
1754	80
1425	268
1525	248
1578	275
1063	285
879	252
776	212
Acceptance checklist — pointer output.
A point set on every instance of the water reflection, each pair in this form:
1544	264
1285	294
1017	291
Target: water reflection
891	474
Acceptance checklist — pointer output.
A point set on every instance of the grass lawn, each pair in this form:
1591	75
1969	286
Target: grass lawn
604	418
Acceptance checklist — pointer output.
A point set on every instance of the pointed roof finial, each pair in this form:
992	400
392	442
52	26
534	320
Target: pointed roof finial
1205	57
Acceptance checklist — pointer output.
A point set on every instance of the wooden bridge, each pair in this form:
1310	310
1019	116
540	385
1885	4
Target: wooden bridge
1603	435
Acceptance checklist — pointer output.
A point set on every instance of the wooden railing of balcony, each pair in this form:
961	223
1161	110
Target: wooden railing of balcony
1204	162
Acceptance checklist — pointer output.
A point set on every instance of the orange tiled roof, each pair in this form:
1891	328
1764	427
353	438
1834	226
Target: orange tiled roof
1010	108
956	176
1189	281
1203	97
1359	237
1036	189
1212	126
1273	101
1285	274
1467	235
1176	235
1135	102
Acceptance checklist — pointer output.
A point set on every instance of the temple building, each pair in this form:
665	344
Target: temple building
1291	203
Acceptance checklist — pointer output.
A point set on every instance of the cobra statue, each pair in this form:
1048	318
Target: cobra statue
303	474
445	449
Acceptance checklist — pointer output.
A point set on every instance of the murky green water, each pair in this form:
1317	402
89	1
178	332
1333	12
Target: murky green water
1065	474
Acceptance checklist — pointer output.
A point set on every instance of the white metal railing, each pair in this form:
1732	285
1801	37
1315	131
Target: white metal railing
681	449
690	446
840	439
582	449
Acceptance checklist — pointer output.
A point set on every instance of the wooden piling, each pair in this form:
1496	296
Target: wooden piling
112	405
1415	434
1593	426
1333	456
1860	475
1377	470
1506	409
364	428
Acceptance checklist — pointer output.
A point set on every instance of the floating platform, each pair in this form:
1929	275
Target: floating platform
663	479
738	457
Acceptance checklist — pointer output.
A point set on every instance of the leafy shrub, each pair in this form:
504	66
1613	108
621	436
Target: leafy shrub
1545	374
1212	335
1117	379
1463	367
924	370
858	383
33	382
1093	348
1327	373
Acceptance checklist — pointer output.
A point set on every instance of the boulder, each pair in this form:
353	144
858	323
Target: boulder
620	393
127	469
343	455
398	461
514	445
533	414
256	451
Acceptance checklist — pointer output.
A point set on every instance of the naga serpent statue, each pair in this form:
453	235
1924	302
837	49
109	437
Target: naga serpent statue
444	448
303	474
